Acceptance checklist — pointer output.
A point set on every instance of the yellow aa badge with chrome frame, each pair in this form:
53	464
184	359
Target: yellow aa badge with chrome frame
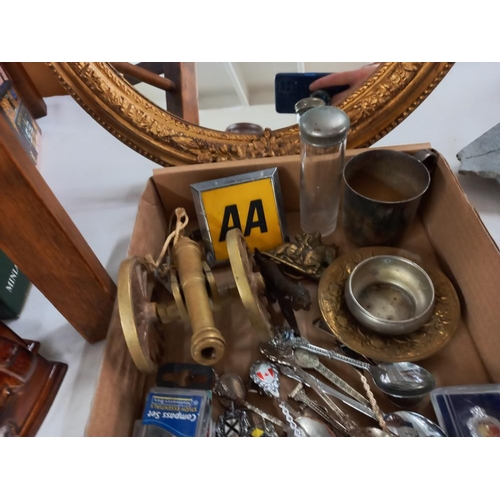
251	202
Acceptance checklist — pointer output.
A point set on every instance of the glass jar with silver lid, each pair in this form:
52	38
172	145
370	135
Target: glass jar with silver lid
323	135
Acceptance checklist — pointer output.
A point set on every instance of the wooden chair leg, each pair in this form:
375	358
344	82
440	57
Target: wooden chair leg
183	101
40	238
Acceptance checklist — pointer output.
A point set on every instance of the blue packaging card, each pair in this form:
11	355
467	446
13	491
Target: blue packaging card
178	414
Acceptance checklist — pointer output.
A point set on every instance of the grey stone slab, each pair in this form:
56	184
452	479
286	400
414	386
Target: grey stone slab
482	156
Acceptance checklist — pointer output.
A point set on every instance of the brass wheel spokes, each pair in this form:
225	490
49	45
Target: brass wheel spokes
249	283
138	314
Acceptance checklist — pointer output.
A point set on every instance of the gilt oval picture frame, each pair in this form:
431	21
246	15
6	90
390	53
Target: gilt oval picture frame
380	104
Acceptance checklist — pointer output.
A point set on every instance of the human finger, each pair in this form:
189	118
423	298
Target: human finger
344	78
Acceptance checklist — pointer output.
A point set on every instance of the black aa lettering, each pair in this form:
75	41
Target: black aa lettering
256	207
230	214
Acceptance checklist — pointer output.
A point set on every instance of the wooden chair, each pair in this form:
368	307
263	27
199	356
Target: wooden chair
38	235
178	82
35	230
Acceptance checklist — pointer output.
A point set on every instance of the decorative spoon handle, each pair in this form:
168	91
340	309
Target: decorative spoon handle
320	387
339	357
300	396
341	384
288	417
304	344
265	376
224	393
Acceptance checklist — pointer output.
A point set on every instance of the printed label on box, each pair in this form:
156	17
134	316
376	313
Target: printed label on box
177	415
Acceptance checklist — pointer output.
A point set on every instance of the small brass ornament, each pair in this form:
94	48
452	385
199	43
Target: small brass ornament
307	255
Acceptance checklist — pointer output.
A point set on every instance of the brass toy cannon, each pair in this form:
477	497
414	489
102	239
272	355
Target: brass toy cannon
194	296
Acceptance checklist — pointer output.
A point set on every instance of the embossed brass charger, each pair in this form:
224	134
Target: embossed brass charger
421	344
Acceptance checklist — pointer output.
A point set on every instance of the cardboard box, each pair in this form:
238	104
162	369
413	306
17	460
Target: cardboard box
447	232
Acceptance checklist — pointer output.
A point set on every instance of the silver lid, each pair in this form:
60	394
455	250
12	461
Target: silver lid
324	126
307	103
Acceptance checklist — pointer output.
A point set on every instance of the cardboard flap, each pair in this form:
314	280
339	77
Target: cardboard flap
177	193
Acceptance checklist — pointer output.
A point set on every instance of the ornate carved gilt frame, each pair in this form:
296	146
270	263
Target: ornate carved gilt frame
384	101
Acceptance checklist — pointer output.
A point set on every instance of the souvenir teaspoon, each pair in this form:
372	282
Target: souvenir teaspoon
265	376
313	428
309	360
231	387
395	379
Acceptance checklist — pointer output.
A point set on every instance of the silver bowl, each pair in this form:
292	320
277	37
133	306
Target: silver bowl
390	295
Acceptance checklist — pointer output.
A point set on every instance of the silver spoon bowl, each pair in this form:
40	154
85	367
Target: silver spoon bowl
404	380
370	432
313	428
411	424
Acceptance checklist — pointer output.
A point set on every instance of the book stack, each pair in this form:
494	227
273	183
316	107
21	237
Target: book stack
14	285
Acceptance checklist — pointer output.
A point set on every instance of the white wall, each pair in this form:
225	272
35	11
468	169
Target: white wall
263	114
219	103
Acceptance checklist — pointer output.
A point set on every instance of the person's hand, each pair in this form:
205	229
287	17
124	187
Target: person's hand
352	78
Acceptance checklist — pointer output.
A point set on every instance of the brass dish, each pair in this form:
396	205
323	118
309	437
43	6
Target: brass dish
422	344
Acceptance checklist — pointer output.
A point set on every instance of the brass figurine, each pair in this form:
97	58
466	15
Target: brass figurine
307	255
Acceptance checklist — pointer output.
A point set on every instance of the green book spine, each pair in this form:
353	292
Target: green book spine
14	287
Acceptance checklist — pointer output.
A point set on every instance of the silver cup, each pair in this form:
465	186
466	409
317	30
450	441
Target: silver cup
383	189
